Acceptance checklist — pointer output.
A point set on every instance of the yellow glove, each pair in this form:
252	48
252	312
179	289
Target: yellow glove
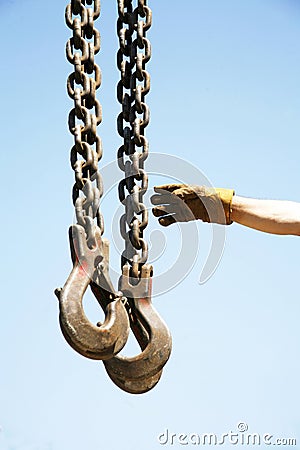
183	203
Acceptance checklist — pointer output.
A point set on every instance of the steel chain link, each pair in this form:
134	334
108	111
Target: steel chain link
82	84
134	85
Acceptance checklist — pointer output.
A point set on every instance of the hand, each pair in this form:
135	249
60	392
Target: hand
183	203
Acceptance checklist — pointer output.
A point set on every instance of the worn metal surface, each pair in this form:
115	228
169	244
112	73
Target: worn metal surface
140	373
132	386
91	341
82	85
87	247
134	85
135	386
89	250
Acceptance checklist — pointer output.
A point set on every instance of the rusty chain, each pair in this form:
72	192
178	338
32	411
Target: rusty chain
134	53
134	85
82	84
130	307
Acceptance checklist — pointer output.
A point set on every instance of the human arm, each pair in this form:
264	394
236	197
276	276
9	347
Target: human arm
182	203
270	216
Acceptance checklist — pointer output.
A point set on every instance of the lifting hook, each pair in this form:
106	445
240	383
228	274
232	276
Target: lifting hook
141	373
90	265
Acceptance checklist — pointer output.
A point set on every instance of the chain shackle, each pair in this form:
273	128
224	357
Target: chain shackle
82	85
134	52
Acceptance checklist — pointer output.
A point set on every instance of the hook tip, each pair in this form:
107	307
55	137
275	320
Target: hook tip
57	292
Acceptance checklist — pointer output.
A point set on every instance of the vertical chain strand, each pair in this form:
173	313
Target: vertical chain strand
134	52
86	115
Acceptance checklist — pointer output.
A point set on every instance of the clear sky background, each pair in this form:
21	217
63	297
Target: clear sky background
224	98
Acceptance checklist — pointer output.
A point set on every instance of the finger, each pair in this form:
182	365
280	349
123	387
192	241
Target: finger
162	199
169	208
167	187
167	220
161	211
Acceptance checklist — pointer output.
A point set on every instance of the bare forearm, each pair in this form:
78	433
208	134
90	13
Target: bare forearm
270	216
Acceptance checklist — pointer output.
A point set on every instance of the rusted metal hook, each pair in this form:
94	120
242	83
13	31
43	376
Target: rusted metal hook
141	373
137	386
132	386
91	265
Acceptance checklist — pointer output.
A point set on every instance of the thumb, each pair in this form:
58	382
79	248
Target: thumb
167	187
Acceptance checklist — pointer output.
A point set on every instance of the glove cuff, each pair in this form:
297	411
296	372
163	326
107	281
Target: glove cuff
226	196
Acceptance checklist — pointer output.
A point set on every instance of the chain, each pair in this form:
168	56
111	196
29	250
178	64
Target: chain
82	84
134	85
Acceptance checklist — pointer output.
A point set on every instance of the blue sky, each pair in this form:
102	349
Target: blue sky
225	99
